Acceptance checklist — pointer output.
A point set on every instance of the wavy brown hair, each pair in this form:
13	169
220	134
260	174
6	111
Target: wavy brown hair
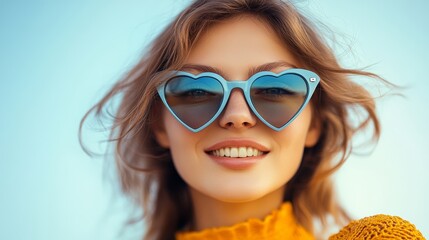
146	173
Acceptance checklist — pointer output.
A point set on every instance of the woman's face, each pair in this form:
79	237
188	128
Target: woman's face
236	46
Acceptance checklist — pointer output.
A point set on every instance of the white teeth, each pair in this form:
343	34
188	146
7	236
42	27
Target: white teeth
235	152
242	152
227	153
249	151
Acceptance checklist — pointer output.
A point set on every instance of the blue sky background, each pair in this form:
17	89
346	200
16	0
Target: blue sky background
57	58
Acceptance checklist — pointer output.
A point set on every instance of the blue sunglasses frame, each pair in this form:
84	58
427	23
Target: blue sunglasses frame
311	81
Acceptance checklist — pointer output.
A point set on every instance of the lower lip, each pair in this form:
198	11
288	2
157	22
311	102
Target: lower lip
236	163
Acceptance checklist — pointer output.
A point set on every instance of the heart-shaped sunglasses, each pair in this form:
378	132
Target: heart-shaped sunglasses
276	99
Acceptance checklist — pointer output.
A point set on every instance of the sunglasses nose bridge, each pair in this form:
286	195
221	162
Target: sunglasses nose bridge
239	85
237	113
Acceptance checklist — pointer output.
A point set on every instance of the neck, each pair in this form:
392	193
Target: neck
209	212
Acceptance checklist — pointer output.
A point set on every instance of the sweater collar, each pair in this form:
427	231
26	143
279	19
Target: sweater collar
280	224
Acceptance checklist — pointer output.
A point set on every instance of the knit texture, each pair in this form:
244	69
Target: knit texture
379	227
281	224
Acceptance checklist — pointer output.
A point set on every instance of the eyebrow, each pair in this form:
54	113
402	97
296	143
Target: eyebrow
270	66
201	68
264	67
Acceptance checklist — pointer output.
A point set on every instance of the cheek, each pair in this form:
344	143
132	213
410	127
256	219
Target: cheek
291	144
183	146
180	139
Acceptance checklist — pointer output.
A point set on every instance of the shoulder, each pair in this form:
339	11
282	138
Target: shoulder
379	227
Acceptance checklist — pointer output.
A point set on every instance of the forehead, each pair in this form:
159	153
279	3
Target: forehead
238	44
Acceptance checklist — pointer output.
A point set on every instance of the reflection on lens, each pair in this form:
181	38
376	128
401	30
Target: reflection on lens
194	101
278	99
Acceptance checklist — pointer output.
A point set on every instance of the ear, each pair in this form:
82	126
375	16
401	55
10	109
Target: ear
161	135
313	133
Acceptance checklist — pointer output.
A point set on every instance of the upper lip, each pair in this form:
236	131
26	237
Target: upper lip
237	143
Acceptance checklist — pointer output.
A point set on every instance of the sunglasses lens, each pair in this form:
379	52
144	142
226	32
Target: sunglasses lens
194	101
278	99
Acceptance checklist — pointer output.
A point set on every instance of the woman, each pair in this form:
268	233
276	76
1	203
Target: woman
232	123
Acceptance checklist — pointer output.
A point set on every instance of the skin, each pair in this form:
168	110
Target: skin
223	196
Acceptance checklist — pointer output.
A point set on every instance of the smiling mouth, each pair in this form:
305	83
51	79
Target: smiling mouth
237	152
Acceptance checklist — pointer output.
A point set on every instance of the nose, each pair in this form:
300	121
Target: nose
237	113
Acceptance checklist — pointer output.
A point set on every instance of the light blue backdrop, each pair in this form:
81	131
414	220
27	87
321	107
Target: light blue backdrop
58	57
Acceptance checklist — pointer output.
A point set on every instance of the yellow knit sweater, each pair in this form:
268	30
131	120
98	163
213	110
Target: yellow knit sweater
281	224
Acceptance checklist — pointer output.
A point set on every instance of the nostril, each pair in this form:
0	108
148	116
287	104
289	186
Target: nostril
238	124
246	124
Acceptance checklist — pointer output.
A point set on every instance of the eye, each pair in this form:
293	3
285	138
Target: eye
275	92
197	93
